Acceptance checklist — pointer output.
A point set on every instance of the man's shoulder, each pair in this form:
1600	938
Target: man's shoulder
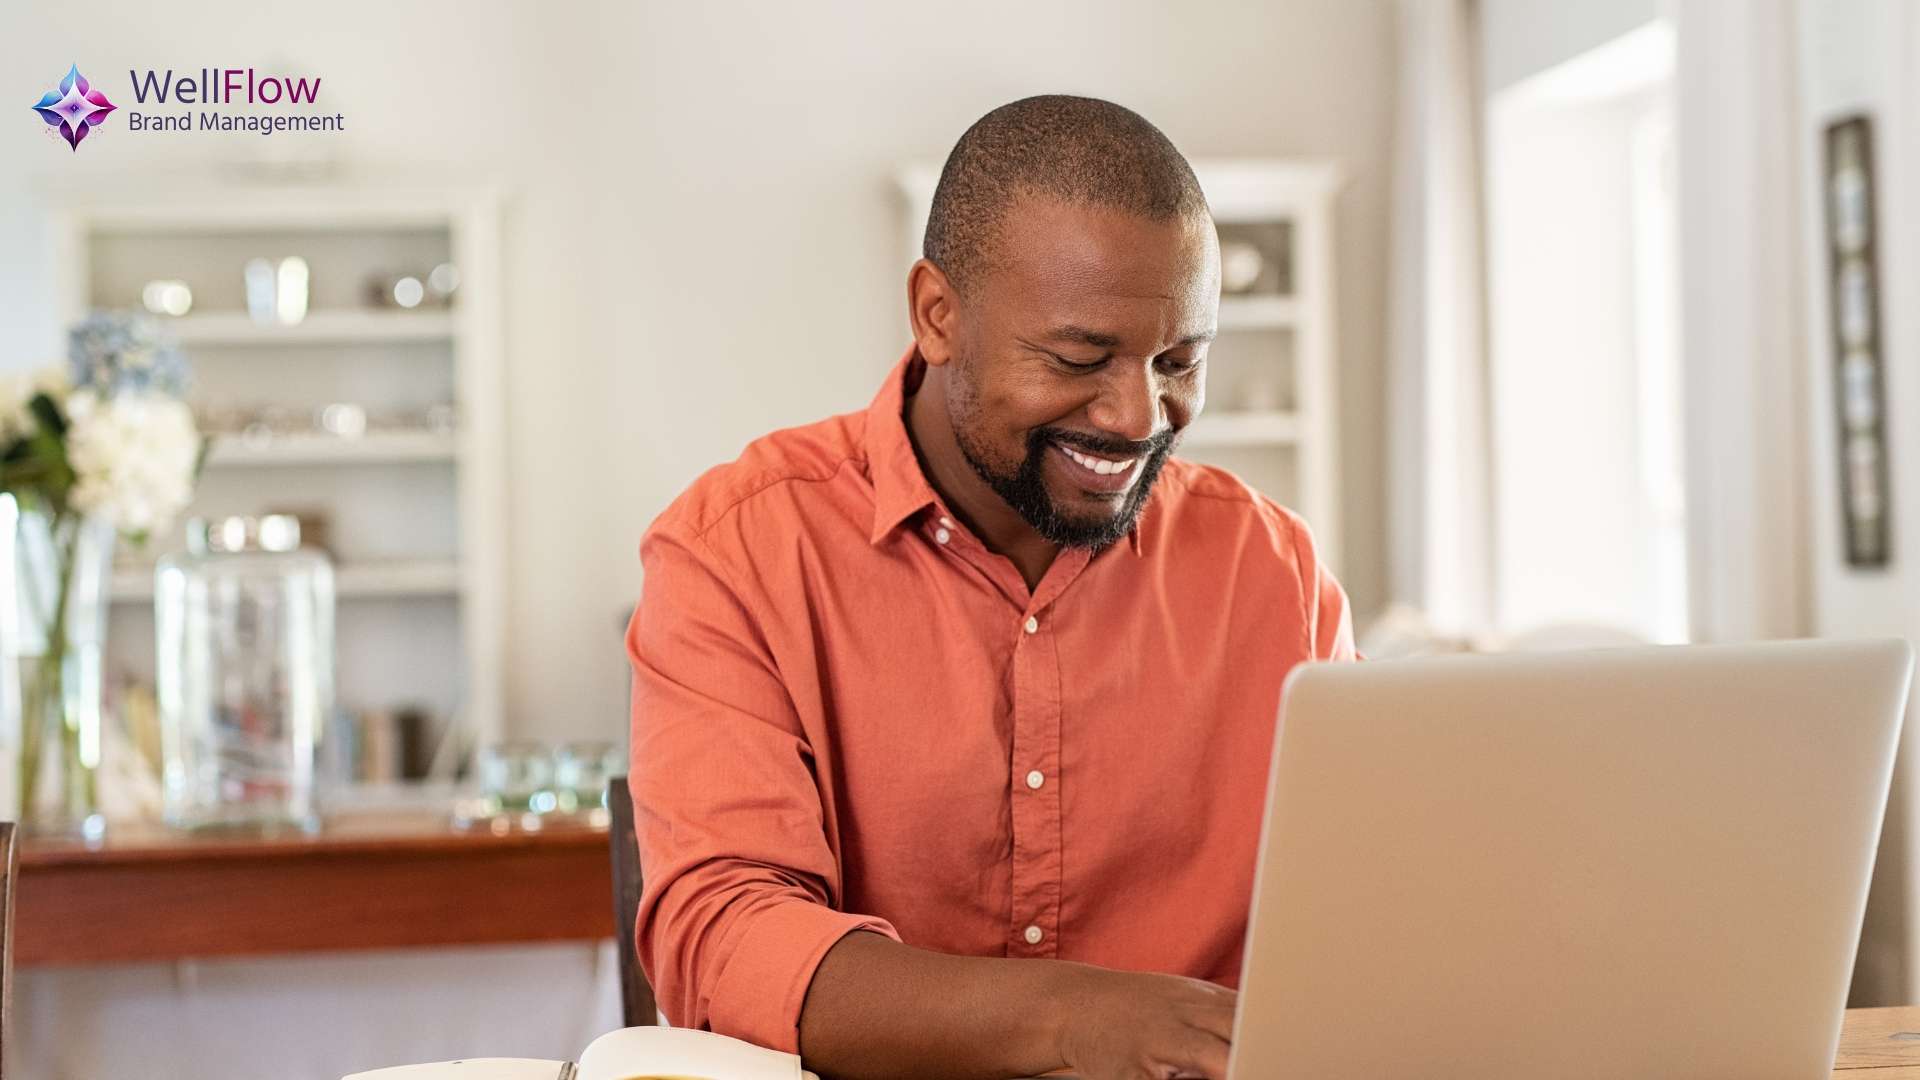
782	464
1207	499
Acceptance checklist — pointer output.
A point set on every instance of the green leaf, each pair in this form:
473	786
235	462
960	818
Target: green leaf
53	476
48	414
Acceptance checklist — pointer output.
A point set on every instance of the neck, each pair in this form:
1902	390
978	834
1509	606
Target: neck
1003	530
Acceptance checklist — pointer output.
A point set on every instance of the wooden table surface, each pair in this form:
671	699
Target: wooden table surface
1879	1044
368	881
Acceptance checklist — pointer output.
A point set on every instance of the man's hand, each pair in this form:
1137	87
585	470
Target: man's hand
880	1010
1128	1026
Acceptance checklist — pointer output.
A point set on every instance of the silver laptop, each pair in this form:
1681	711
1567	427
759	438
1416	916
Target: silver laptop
1635	863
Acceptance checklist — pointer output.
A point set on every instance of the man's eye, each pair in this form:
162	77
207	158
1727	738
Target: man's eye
1179	364
1076	365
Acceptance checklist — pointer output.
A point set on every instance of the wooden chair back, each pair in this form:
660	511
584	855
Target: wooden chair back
9	873
637	1008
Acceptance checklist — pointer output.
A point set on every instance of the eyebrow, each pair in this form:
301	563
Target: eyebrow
1080	335
1083	336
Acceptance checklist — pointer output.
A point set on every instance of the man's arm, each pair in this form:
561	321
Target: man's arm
740	885
879	1009
1329	617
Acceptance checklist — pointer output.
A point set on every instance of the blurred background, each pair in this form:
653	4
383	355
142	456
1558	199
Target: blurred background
1564	324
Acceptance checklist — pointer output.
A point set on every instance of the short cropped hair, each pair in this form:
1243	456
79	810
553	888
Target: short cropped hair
1077	150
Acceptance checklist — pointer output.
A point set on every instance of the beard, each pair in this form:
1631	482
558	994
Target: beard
1024	486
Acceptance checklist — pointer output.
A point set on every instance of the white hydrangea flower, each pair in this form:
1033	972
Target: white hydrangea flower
17	389
132	457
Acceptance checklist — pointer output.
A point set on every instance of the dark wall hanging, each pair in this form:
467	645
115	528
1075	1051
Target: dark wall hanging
1859	369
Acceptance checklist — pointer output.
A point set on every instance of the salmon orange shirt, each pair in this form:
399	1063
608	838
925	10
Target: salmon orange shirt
848	714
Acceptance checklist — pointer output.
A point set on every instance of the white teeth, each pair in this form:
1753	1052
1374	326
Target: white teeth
1099	465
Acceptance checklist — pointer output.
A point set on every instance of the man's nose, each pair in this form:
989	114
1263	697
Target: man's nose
1129	405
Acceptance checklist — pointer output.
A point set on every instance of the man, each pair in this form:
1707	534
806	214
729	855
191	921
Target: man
952	717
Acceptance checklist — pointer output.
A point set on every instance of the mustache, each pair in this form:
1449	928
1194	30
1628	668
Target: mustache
1105	446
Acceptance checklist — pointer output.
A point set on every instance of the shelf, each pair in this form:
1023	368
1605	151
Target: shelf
1258	312
367	580
1243	429
405	479
373	448
319	327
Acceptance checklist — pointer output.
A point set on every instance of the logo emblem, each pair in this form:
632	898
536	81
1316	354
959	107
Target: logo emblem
75	108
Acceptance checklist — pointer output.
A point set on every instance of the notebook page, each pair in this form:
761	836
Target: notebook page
474	1069
679	1052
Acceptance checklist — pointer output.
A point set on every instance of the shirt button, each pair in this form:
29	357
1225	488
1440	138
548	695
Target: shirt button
942	535
946	523
1035	779
1033	625
1034	934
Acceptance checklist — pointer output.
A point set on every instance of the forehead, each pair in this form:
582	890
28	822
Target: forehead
1097	265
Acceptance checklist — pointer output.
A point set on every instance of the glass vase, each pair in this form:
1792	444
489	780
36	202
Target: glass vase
244	621
54	576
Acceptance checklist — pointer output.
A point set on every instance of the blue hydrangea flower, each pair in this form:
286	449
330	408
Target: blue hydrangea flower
111	352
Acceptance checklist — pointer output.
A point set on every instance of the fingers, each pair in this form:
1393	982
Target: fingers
1211	1009
1214	1019
1201	1055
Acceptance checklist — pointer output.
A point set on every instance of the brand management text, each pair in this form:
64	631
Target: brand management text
229	87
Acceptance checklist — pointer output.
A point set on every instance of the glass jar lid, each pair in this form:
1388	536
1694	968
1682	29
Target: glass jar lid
271	532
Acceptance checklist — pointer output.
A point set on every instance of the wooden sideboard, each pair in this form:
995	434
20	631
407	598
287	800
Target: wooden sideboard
386	881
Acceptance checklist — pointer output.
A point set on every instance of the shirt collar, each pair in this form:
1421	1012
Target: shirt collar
900	488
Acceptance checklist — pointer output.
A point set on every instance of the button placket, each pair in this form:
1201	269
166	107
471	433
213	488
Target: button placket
1034	918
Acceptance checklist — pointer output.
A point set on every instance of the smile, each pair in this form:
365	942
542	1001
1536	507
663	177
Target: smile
1103	466
1096	476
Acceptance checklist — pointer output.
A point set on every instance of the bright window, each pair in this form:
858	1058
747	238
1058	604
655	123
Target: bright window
1583	372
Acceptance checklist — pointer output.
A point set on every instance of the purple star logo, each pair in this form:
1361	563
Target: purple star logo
75	108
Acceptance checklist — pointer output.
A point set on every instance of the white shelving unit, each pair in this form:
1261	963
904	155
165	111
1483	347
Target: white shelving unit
1273	408
319	327
424	577
1259	313
373	448
1244	428
417	517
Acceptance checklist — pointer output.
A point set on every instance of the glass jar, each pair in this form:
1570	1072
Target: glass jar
581	771
516	778
244	624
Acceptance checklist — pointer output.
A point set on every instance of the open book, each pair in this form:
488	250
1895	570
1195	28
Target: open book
640	1053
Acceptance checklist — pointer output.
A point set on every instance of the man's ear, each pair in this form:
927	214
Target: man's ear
933	308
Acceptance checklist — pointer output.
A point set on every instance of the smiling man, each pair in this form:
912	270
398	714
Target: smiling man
952	716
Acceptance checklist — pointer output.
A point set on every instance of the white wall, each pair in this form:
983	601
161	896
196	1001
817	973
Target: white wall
702	245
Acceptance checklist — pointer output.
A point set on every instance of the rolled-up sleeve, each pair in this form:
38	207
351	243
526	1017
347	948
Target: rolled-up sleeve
741	885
